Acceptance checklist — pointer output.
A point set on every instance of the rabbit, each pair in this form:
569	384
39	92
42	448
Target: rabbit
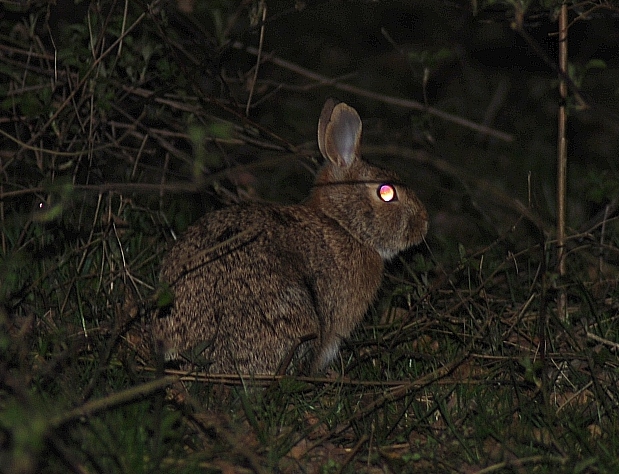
252	282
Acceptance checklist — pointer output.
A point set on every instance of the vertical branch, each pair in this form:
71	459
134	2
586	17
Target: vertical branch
562	160
262	6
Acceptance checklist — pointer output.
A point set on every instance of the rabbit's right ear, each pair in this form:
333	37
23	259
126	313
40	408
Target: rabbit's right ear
339	133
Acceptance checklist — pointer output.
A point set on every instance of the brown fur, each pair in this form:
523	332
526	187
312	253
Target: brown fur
253	280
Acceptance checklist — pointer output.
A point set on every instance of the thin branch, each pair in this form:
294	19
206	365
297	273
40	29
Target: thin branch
114	400
562	160
262	5
406	103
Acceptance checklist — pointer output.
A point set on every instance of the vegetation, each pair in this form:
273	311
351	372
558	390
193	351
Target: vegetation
122	122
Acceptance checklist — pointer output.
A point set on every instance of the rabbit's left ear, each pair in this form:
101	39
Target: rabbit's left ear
339	133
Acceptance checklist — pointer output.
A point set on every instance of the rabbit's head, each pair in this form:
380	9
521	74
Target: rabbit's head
372	204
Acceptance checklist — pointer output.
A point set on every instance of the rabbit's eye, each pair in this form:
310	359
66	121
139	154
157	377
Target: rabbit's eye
387	193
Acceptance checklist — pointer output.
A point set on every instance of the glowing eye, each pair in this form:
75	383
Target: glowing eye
387	193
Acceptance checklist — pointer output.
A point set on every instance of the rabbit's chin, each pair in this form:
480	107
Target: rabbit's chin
387	254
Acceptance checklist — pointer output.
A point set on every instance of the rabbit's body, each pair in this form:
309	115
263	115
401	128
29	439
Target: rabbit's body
266	290
251	282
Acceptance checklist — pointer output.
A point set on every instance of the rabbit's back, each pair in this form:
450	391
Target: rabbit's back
251	281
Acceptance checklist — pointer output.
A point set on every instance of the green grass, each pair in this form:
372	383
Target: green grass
461	366
459	381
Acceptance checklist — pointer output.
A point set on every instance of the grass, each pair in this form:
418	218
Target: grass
477	375
461	366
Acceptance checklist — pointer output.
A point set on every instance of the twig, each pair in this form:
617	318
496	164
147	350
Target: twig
562	161
406	103
119	398
262	5
606	342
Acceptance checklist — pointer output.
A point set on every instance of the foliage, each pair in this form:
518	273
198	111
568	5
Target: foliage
122	122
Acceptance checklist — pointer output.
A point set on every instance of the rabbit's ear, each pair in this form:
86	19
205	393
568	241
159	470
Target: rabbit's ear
339	133
323	121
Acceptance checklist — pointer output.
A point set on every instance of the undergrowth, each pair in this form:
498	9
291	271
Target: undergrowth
117	131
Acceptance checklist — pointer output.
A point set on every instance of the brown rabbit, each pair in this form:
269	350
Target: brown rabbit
252	281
